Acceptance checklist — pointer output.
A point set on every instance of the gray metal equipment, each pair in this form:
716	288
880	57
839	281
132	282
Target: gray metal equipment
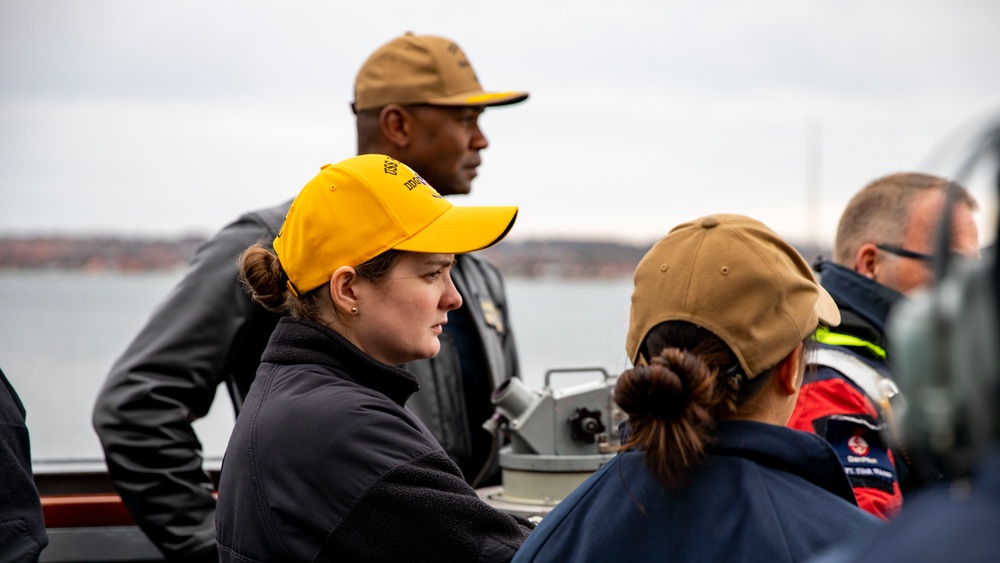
558	438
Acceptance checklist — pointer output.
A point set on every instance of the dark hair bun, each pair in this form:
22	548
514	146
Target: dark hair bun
263	277
673	383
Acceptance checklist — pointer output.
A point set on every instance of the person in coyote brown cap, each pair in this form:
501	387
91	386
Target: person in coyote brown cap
722	315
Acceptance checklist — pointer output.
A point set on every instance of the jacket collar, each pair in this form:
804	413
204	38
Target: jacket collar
299	341
868	302
801	453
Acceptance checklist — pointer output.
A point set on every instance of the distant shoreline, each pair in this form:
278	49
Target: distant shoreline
550	259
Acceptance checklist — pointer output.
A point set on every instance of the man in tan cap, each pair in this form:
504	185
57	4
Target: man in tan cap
418	100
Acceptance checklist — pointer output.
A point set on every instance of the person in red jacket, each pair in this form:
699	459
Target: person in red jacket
882	252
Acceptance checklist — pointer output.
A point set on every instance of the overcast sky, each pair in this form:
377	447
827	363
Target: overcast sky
142	118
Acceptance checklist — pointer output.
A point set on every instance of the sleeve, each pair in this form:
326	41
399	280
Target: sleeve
22	527
167	378
830	406
433	515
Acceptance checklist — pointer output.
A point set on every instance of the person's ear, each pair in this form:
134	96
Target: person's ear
866	260
396	125
342	289
790	371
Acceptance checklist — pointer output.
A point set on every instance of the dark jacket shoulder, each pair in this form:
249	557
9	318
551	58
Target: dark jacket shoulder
774	493
22	528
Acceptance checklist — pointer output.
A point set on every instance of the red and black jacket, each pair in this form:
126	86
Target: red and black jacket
835	407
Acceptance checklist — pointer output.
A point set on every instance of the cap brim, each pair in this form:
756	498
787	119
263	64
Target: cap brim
826	308
480	99
462	229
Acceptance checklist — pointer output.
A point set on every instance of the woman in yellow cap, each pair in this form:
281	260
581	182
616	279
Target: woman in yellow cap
722	314
325	462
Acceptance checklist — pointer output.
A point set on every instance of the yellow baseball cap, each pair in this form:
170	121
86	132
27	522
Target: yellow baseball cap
423	69
355	210
735	277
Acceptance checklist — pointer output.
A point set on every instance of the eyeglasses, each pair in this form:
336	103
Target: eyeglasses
898	251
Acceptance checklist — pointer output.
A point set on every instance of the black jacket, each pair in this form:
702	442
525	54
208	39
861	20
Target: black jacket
208	332
22	529
326	464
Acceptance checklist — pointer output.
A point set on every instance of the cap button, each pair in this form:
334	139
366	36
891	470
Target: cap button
325	166
709	222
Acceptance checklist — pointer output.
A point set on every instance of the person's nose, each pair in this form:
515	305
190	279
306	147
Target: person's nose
478	141
451	299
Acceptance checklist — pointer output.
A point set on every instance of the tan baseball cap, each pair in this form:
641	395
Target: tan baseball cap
359	208
423	69
735	277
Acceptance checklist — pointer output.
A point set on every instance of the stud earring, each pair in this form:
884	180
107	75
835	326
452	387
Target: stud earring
354	310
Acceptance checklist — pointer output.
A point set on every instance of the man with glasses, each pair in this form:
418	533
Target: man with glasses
883	251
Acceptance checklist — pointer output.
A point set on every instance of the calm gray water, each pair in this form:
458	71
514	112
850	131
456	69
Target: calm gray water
61	331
